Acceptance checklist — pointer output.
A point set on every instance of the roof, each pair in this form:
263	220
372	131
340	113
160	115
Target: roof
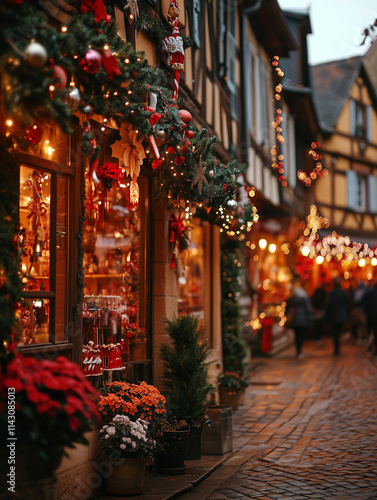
332	82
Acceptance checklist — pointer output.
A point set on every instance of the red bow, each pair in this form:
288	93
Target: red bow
98	9
176	229
110	64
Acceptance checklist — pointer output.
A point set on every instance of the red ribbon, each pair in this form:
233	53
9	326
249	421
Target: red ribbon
98	9
110	64
176	229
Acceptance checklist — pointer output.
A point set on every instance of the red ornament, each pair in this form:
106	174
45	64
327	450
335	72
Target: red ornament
171	150
33	134
61	77
190	134
156	163
91	62
110	64
179	160
185	115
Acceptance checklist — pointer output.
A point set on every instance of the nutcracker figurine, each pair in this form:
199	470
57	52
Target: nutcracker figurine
173	46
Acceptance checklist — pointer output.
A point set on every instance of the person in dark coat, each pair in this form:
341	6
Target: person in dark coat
371	309
298	313
337	312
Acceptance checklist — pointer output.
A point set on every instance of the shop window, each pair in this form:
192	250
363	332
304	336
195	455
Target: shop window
43	203
191	274
116	333
361	191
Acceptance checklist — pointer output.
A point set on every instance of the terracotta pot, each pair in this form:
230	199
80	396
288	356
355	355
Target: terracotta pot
230	397
127	478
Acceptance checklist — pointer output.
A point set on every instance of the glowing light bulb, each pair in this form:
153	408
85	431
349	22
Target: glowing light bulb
262	243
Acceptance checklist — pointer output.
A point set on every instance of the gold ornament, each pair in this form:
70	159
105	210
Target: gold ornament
129	150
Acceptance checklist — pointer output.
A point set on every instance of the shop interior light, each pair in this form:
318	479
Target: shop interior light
305	251
319	259
361	262
373	261
272	247
262	243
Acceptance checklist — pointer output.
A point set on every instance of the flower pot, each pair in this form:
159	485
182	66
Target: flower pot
127	478
217	439
194	441
171	460
230	397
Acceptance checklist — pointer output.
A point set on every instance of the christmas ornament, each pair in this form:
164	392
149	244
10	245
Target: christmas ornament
153	119
189	134
176	236
173	46
61	76
199	178
185	115
73	98
179	160
132	8
160	137
232	203
134	192
34	134
36	55
156	163
98	9
171	150
91	62
129	150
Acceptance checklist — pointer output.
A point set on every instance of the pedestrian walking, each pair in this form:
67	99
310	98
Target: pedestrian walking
371	308
318	301
358	316
337	312
298	313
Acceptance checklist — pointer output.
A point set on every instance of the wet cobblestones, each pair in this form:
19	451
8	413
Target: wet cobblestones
307	430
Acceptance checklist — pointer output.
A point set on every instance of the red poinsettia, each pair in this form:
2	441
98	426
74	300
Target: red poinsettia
54	404
110	171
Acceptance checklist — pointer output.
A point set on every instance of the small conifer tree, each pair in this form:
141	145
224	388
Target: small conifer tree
185	373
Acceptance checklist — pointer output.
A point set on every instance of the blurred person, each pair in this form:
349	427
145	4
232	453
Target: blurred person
358	314
371	310
318	301
336	312
299	315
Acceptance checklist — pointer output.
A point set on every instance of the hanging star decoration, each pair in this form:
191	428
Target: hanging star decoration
199	179
130	151
132	8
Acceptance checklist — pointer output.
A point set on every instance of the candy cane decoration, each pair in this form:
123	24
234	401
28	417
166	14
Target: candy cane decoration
173	46
153	119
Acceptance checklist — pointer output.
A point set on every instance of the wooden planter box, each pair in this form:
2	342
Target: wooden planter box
218	438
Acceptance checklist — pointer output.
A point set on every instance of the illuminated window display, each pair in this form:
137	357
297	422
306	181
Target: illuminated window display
116	291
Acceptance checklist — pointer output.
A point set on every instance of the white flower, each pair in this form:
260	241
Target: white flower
133	444
124	439
123	446
111	431
107	436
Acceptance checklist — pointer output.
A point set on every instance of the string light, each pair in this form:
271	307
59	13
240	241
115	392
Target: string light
277	157
318	171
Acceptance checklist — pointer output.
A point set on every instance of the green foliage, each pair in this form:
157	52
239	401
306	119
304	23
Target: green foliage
234	347
10	282
185	374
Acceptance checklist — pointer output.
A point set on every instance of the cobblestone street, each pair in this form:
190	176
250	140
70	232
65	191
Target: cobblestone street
308	429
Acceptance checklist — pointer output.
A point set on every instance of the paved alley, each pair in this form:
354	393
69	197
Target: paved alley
308	429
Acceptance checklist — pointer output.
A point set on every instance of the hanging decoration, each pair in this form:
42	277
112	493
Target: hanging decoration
132	9
367	33
153	119
173	46
178	236
96	7
277	156
318	171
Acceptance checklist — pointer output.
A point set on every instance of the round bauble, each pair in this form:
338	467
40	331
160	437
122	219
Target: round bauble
36	55
179	160
211	173
61	77
33	134
171	150
91	62
190	134
185	115
73	98
160	137
87	109
232	203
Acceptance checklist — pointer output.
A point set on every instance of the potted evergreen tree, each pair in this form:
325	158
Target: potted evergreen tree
185	377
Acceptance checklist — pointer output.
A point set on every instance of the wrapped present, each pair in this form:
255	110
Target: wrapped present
111	357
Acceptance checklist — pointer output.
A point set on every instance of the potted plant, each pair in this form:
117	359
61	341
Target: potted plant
232	387
47	405
134	400
128	445
185	377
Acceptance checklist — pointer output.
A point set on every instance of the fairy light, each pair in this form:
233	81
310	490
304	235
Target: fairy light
64	29
277	157
9	122
317	171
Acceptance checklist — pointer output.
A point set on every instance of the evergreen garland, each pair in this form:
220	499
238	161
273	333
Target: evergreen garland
234	347
158	30
10	282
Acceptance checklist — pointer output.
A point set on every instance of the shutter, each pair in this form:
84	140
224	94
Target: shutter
196	7
369	123
262	102
221	37
351	189
353	117
372	193
248	87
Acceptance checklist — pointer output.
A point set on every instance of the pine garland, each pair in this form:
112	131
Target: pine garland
10	282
